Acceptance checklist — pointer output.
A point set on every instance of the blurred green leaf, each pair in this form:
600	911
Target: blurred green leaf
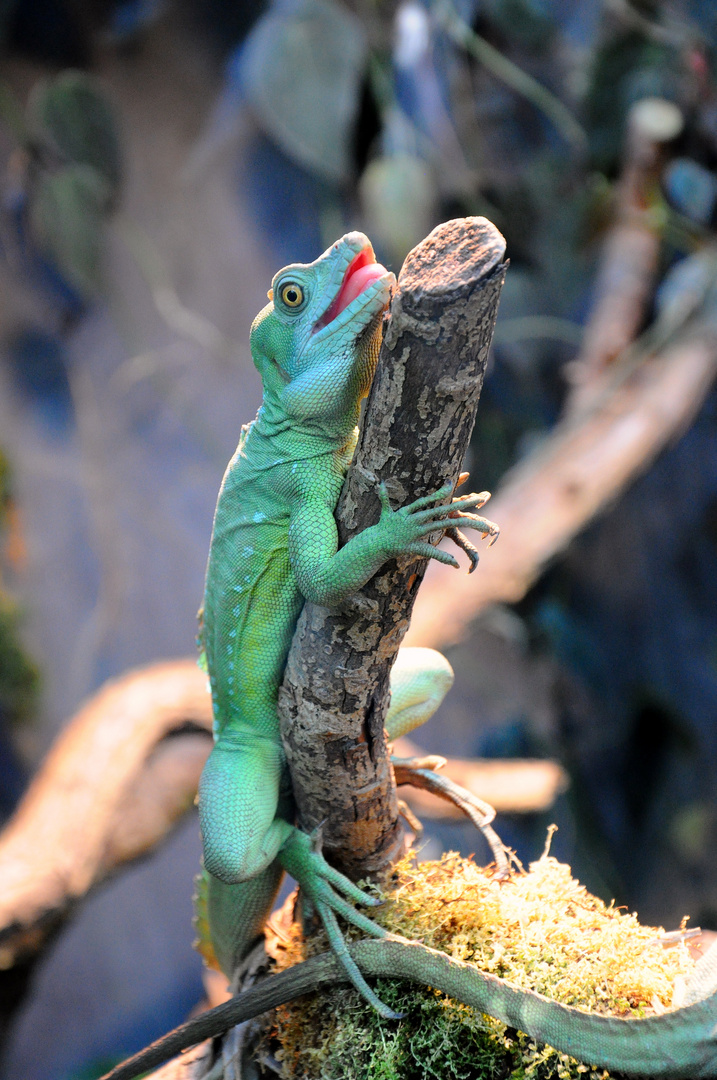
691	830
67	214
11	112
72	118
691	188
690	287
398	197
5	487
19	678
302	70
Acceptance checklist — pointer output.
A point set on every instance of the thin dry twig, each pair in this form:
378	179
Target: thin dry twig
627	271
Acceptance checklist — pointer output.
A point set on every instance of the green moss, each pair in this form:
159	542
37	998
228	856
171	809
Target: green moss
437	1039
541	930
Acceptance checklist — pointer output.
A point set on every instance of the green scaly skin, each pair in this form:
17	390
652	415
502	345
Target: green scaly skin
274	545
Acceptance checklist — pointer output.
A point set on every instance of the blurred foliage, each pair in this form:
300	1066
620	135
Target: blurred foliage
75	174
19	677
626	68
70	119
66	214
72	176
398	196
301	72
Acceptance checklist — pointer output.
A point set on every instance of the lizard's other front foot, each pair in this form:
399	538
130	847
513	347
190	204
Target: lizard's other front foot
413	771
321	885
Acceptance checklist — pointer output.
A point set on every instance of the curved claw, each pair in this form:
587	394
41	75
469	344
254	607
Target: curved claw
465	545
477	499
481	524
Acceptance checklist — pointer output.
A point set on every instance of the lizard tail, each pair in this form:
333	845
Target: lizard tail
230	918
203	941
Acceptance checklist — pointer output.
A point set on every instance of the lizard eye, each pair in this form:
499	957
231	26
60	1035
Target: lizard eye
292	295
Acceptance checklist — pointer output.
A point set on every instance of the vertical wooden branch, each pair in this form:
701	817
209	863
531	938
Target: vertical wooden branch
415	432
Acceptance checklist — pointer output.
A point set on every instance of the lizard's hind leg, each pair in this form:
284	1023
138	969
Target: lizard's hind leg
239	793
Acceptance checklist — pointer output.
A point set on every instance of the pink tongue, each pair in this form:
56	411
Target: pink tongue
356	283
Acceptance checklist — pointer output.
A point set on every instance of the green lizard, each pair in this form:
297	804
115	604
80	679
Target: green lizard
274	545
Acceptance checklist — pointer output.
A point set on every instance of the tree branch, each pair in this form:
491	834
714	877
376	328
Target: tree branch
629	261
123	772
416	428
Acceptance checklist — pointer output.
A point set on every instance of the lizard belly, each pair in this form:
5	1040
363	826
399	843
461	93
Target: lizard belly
251	608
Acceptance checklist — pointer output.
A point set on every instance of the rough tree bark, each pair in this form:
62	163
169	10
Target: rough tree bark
415	431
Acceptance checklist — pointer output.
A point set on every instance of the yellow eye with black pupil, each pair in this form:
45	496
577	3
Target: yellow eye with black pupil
292	295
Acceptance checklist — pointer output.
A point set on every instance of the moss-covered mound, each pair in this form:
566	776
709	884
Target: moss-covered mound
540	930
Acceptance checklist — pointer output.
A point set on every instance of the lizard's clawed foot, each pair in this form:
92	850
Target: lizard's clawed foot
321	885
488	528
472	521
405	531
480	813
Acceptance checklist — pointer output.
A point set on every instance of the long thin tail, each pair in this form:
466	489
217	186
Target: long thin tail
679	1045
230	918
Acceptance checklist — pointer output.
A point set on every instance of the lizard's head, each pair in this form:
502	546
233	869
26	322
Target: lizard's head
320	309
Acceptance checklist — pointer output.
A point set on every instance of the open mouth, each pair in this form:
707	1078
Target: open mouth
361	273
